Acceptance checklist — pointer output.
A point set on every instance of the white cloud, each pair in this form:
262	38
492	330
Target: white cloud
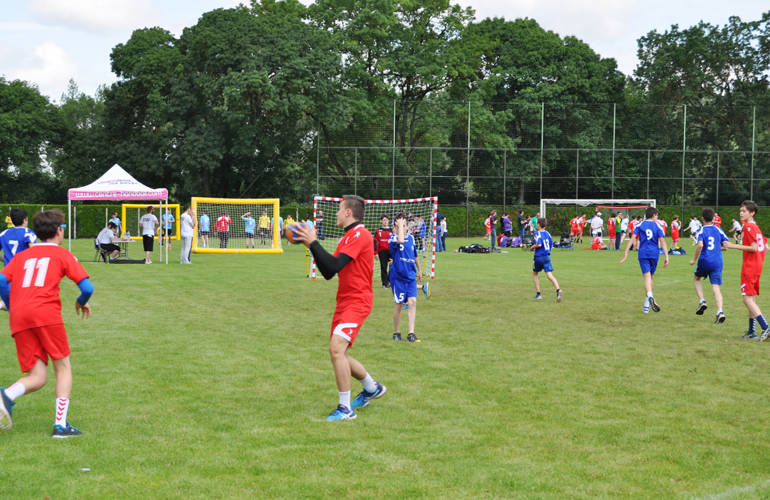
49	67
94	15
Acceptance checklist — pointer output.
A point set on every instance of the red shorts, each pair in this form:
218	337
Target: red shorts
749	284
347	323
40	343
574	231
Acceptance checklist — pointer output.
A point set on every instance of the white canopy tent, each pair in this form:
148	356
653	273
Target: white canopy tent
115	185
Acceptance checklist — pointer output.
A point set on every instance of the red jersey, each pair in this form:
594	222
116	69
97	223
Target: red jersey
581	223
631	226
674	230
596	243
381	239
574	225
222	225
35	274
718	221
611	227
752	261
355	279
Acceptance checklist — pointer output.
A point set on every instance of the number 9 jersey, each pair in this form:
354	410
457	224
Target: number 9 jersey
34	275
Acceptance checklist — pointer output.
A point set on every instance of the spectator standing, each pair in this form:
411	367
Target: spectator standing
149	225
186	232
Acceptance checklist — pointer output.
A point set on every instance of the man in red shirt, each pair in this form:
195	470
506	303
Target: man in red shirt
353	260
29	284
222	226
581	226
574	228
611	230
717	220
753	246
382	248
675	226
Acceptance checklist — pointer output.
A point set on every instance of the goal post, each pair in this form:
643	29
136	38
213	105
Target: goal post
261	216
423	225
131	213
585	202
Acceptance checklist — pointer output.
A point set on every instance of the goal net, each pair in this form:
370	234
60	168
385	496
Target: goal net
560	211
236	225
422	225
130	214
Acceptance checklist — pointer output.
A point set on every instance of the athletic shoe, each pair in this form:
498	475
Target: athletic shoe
364	397
749	336
558	295
385	286
720	318
701	307
397	336
653	305
62	432
538	296
6	413
425	290
412	338
342	412
646	308
765	334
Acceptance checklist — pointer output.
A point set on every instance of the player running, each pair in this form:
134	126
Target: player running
16	239
708	254
650	237
542	260
30	287
753	247
404	275
353	260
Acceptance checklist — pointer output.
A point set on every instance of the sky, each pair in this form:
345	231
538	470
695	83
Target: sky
49	42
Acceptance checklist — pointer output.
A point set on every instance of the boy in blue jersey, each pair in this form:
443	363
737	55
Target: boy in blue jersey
16	239
205	229
542	262
250	227
404	275
710	245
650	238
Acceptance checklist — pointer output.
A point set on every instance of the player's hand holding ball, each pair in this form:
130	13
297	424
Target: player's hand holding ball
299	232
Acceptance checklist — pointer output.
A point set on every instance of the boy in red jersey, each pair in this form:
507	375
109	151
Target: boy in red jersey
381	237
753	247
611	230
574	228
353	260
30	287
675	226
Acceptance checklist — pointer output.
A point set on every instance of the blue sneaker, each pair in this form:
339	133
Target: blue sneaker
426	290
62	432
6	414
342	412
364	397
749	336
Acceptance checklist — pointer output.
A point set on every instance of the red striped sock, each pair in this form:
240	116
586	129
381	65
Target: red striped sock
62	406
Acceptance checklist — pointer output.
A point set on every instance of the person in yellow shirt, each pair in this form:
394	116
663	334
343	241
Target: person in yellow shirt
8	222
288	222
264	227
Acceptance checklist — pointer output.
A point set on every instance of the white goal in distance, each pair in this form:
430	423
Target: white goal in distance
426	208
586	202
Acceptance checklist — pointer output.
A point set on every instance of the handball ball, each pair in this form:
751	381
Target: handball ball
290	234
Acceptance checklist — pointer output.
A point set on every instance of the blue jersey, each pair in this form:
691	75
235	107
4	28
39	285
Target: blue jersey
712	238
543	238
205	223
167	219
116	221
14	240
403	255
423	227
648	233
251	224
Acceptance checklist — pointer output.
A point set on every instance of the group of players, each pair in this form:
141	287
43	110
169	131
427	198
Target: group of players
648	238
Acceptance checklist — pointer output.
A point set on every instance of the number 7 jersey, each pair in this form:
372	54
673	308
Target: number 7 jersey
34	275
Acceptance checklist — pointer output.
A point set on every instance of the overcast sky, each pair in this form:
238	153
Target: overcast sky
47	42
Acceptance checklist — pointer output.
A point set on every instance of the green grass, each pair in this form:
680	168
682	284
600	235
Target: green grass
213	381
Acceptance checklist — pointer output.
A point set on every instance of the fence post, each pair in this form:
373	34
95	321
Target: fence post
430	172
614	114
393	157
468	172
684	152
317	164
577	175
753	139
717	200
648	174
504	172
355	171
542	142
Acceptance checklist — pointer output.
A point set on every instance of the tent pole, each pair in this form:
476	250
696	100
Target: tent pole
69	224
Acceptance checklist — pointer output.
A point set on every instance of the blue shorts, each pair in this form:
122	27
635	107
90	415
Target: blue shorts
648	265
706	271
542	264
403	289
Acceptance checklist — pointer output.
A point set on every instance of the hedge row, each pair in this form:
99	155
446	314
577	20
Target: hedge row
91	218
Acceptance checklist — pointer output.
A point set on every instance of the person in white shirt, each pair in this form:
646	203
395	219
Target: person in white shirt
106	240
186	232
149	225
737	230
694	229
596	225
623	228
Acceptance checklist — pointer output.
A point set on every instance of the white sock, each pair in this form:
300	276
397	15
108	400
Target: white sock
649	294
16	391
702	301
369	384
62	407
345	399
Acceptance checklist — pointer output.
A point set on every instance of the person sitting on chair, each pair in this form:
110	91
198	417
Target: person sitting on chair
106	241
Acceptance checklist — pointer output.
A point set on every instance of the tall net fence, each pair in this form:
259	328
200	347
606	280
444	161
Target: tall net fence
509	154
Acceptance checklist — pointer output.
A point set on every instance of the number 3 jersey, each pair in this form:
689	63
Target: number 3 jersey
711	255
752	261
543	238
34	275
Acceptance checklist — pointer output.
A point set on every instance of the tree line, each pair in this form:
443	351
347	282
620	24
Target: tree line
246	101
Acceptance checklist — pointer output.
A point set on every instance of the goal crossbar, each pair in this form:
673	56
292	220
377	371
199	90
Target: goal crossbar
584	202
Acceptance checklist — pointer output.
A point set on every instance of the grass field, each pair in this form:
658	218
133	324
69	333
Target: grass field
213	381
